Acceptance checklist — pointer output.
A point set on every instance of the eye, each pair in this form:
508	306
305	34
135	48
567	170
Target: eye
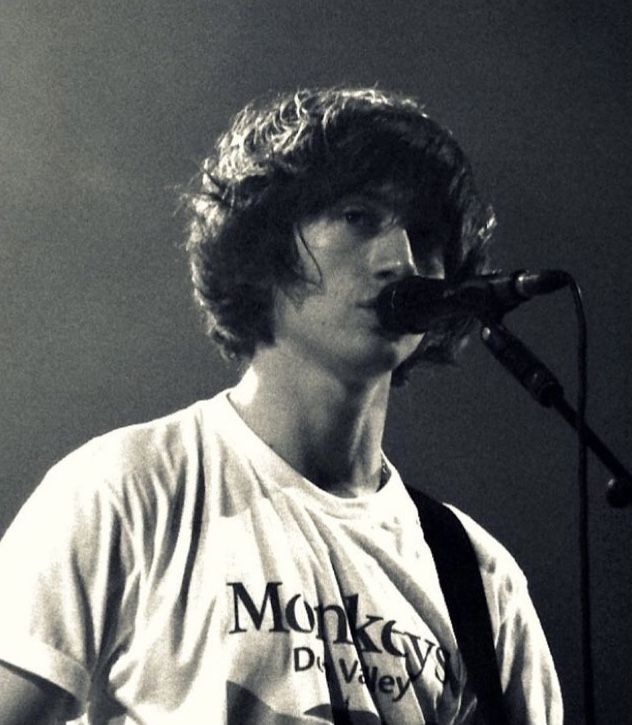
361	218
355	216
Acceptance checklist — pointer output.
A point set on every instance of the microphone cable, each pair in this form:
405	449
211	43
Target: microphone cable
545	388
584	508
410	304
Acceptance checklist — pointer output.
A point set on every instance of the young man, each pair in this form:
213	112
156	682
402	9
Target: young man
255	558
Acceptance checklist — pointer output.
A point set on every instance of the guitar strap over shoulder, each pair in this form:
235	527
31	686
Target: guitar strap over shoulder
462	587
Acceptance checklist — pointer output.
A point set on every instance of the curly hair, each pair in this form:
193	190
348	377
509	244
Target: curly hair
292	155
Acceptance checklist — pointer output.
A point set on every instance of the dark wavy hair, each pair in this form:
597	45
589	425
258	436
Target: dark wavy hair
292	155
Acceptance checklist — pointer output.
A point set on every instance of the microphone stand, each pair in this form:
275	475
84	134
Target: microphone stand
546	389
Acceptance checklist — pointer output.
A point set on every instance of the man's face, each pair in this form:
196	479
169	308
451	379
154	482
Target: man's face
350	252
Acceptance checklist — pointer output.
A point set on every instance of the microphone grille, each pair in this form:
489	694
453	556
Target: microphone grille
400	305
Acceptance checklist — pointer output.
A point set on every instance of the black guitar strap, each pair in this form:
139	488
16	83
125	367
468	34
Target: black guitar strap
462	587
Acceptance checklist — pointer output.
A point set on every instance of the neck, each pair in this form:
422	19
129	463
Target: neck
328	430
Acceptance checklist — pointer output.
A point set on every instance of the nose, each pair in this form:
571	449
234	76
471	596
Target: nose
393	255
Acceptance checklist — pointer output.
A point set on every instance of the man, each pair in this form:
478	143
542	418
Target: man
255	558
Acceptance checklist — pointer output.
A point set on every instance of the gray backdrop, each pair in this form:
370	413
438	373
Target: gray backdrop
106	105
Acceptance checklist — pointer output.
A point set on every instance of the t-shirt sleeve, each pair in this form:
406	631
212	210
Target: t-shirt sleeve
529	680
530	683
64	561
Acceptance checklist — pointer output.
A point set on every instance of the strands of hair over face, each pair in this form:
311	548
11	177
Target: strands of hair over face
289	156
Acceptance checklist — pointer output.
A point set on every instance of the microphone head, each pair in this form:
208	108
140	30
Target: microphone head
409	306
528	284
415	304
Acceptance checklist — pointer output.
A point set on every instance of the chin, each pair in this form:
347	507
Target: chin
375	356
384	359
400	347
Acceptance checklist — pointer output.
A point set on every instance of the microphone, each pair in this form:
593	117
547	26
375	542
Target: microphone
413	304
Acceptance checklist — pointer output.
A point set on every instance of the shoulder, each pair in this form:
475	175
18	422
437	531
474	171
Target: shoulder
493	557
527	670
156	451
138	447
119	490
504	581
133	475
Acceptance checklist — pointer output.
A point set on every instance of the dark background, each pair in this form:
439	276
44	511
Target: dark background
107	105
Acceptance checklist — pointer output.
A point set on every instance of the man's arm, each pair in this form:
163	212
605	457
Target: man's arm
26	698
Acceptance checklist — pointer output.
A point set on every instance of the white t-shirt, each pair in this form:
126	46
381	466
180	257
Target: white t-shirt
179	572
